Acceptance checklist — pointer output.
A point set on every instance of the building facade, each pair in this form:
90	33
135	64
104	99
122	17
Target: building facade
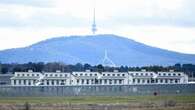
88	77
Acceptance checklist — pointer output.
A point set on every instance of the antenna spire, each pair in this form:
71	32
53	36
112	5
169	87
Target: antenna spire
94	29
107	61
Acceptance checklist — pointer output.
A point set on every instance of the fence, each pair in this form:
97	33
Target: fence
98	90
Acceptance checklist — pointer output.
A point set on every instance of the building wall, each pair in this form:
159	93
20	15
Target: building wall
98	90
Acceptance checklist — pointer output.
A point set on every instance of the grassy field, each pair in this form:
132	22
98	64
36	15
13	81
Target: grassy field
98	99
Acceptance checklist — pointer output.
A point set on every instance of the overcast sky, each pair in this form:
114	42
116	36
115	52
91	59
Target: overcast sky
168	24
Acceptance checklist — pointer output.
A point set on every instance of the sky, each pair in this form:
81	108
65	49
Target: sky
167	24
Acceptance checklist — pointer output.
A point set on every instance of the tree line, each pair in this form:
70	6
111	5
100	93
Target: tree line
53	66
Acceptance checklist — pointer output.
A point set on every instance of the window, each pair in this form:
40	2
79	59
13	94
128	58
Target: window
65	75
137	74
179	74
171	80
146	74
85	74
96	81
51	75
113	74
81	74
19	81
87	81
90	74
33	74
108	74
92	81
18	74
100	81
164	74
110	81
56	75
47	82
173	74
138	80
57	82
105	81
24	82
169	74
123	74
14	82
161	81
76	74
103	74
151	74
95	74
143	80
27	74
115	81
37	74
62	82
60	75
141	74
82	81
118	74
29	82
77	81
120	81
52	82
148	81
133	80
156	80
166	81
22	74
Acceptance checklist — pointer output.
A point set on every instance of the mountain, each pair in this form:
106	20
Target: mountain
90	49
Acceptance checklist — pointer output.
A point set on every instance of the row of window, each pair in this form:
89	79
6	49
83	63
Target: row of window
100	81
47	75
82	74
169	74
142	74
27	75
56	75
33	82
85	74
160	74
156	81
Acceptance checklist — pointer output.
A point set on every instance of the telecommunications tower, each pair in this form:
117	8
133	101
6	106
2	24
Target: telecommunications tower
94	28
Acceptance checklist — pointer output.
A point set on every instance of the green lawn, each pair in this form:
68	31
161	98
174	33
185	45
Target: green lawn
97	99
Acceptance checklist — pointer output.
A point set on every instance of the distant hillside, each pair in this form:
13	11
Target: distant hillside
90	49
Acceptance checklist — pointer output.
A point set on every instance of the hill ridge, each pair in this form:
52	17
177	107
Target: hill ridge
90	49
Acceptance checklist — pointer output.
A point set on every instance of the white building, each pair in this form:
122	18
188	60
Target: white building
146	77
87	77
99	78
31	78
141	77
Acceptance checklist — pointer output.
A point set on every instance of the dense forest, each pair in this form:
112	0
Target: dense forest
53	66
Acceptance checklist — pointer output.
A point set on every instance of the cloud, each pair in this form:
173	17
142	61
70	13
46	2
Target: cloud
156	12
161	23
33	3
117	13
24	16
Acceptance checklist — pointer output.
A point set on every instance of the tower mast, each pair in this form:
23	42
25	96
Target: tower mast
94	29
